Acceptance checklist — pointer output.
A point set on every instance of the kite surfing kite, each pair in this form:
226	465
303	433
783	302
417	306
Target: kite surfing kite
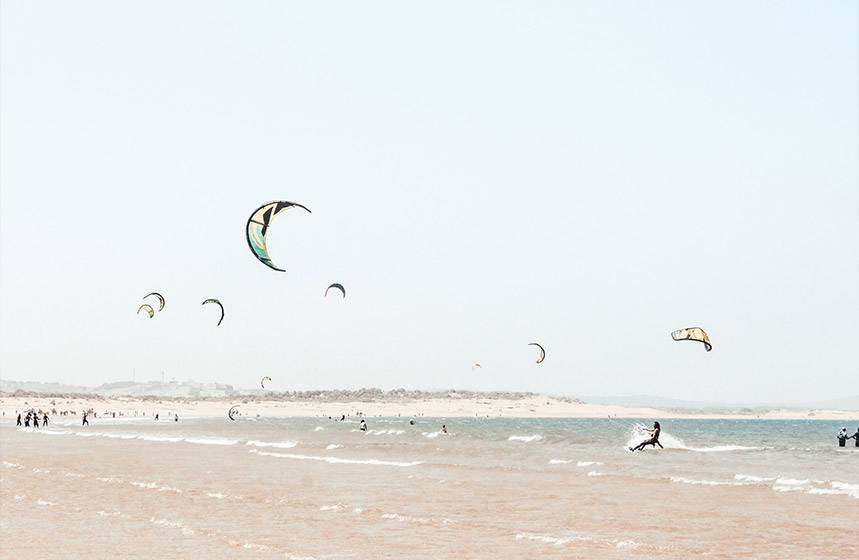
258	225
230	413
160	299
147	308
338	286
262	381
693	333
542	351
219	305
476	366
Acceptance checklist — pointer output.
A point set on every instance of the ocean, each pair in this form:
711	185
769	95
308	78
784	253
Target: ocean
493	488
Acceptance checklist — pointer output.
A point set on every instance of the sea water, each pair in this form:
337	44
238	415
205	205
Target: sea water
488	488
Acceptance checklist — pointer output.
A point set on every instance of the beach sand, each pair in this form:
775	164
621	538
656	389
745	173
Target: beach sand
449	407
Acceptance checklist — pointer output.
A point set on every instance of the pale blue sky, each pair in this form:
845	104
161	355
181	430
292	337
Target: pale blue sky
587	175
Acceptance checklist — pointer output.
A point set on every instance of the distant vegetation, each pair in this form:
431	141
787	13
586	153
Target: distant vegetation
190	390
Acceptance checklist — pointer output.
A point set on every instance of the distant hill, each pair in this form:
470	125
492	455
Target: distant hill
193	389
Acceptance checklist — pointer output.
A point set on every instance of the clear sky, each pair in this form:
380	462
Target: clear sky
481	175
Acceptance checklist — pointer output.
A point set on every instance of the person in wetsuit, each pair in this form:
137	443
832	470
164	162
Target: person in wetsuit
654	439
19	419
854	436
842	437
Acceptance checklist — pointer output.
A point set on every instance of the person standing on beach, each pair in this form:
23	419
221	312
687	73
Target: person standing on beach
45	420
654	440
35	420
85	421
842	437
19	419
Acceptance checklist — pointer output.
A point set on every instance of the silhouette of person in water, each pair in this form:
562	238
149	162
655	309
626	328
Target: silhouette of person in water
443	429
19	419
854	436
654	439
842	437
85	421
45	420
35	420
363	426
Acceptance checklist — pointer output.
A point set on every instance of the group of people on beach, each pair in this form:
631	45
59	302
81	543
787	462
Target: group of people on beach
33	416
843	437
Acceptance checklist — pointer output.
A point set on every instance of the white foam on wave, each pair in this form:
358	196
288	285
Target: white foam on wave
418	520
334	446
217	495
45	503
752	478
213	441
160	438
12	465
685	480
594	473
318	429
820	487
783	481
526	439
390	432
109	479
280	445
179	525
49	432
430	434
560	461
847	488
587	463
550	539
335	507
337	460
558	541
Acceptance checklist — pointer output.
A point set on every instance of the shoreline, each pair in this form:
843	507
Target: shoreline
535	406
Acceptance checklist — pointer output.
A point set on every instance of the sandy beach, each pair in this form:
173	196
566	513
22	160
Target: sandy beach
452	406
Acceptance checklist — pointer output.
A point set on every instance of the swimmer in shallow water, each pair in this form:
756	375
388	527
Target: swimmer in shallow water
654	439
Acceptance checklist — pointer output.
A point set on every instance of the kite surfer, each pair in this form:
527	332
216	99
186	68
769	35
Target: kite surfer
654	440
